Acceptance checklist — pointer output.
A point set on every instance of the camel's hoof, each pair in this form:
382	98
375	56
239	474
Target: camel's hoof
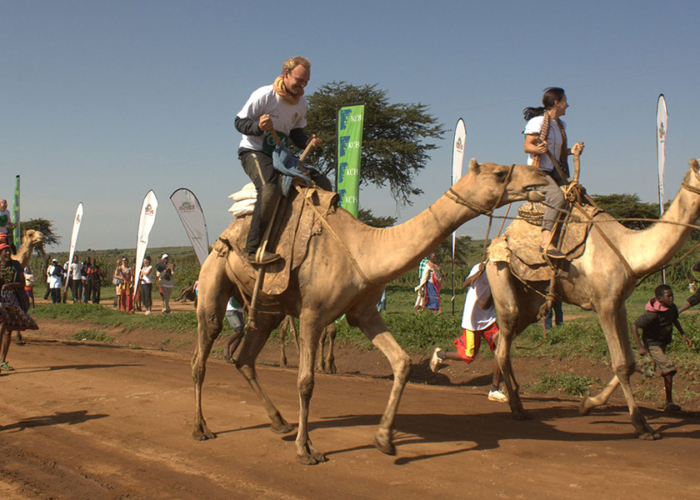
203	435
649	436
385	447
310	460
332	370
584	408
311	456
282	427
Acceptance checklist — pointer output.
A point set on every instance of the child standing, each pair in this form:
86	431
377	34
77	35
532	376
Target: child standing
657	328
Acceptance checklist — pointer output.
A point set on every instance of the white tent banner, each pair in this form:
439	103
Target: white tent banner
191	215
661	129
147	218
74	238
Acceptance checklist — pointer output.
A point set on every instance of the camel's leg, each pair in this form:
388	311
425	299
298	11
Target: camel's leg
372	325
253	343
214	291
505	340
283	337
320	360
614	322
510	310
309	334
590	402
330	357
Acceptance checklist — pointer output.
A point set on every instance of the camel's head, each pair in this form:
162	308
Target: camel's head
486	181
34	237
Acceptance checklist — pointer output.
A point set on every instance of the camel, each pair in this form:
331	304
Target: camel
596	280
347	276
29	241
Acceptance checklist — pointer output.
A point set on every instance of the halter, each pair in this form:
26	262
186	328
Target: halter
457	198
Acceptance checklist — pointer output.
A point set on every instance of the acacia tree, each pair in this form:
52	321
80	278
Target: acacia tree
628	206
367	217
396	137
46	227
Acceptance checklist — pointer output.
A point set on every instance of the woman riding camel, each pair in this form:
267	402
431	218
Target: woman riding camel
545	143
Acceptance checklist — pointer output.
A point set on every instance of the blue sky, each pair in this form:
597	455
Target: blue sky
103	100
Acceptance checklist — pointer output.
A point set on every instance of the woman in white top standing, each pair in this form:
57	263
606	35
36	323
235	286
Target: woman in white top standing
546	144
147	284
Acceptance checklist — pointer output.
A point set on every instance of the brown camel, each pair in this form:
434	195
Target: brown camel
29	241
596	280
333	280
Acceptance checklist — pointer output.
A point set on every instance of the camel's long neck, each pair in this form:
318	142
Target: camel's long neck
650	249
397	249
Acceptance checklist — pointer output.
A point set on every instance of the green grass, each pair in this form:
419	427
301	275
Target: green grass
568	383
184	322
94	335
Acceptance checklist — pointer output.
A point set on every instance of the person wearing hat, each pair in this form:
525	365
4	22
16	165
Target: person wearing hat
165	270
55	273
13	303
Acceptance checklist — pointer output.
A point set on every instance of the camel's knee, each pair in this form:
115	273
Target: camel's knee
403	367
625	370
306	386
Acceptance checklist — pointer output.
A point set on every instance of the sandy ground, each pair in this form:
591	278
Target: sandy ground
88	421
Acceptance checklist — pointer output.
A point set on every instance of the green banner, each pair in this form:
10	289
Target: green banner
350	119
15	216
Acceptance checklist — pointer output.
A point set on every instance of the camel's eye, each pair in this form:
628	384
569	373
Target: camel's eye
501	175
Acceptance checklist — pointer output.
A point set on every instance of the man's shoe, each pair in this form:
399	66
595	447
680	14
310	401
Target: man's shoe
498	396
267	258
435	360
553	253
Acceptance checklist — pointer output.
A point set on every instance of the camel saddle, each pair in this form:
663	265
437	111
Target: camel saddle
294	225
520	244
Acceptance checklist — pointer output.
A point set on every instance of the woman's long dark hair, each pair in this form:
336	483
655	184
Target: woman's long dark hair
551	95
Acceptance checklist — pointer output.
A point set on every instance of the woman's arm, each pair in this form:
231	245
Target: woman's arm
534	145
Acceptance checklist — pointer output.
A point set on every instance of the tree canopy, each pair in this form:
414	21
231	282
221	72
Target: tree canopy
628	206
46	227
396	137
366	216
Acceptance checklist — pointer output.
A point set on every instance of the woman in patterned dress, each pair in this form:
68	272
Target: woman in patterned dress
13	303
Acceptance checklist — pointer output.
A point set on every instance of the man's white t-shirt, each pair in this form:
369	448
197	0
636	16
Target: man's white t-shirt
474	317
75	269
285	117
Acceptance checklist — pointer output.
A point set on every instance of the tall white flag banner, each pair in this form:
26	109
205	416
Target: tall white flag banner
457	165
191	215
661	128
74	238
146	220
458	150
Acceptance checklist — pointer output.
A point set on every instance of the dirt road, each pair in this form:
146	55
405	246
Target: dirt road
81	421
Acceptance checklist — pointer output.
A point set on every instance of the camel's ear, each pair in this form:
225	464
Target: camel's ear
694	165
474	166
